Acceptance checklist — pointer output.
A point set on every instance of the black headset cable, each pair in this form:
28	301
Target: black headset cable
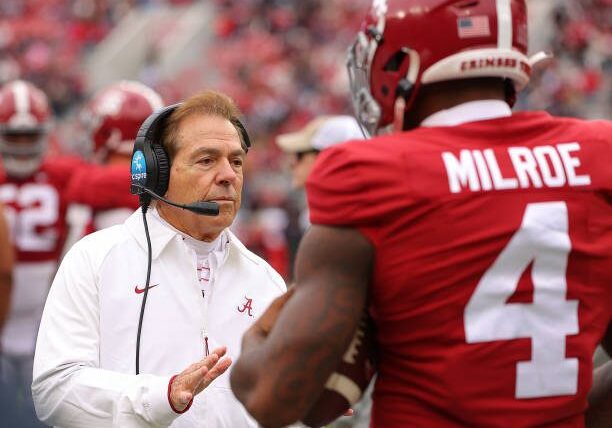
146	290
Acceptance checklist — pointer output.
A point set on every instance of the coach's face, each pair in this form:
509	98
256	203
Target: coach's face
207	166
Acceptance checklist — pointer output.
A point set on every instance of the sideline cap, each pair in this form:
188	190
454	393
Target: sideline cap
321	133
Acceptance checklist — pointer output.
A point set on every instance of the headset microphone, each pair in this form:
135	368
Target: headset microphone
200	207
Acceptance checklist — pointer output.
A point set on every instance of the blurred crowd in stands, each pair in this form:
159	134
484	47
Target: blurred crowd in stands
578	82
44	41
283	62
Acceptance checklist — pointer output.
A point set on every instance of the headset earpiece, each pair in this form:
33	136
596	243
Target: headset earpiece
150	162
162	161
243	133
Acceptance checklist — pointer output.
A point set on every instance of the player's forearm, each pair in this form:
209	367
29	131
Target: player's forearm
246	379
599	413
278	378
257	381
5	296
270	391
602	385
245	371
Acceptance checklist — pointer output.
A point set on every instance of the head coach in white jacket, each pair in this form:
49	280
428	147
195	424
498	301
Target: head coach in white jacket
205	290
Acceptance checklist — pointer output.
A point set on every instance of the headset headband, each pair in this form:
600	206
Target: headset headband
150	161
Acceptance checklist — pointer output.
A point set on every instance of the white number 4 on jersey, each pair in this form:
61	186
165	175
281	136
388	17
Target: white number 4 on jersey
544	240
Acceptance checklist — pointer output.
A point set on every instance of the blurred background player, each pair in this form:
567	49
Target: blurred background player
99	195
319	134
463	225
302	148
32	189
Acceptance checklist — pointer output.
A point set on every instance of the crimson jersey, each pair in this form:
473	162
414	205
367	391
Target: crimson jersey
492	284
36	208
105	189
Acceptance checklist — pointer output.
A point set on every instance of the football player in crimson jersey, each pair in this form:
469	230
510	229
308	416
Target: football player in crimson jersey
479	240
32	191
99	195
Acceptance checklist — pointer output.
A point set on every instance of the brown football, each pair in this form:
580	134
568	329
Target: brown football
346	385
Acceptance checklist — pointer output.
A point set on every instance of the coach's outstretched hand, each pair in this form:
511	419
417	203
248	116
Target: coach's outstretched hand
191	381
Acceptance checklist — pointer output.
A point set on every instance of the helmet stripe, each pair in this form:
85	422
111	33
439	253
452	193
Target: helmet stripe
21	98
504	24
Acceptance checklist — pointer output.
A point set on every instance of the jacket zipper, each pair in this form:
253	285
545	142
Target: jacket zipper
205	336
203	331
204	327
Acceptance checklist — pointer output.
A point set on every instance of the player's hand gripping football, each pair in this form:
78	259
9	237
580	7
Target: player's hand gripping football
191	381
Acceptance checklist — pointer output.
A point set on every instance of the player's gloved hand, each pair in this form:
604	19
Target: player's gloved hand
191	381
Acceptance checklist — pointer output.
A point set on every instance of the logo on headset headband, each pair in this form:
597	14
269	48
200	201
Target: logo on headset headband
139	168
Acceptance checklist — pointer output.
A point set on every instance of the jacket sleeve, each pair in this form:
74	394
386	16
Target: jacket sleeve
69	388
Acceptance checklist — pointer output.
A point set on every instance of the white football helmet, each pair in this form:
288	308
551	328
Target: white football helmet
24	127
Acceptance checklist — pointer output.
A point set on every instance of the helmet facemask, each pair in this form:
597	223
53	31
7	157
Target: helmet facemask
22	152
359	62
367	110
24	128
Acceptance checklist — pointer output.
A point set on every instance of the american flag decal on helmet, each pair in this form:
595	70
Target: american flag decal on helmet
473	26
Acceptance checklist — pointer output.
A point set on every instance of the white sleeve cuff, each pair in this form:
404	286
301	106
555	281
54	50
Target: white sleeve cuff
155	401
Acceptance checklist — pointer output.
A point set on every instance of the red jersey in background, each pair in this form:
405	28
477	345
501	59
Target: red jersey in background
104	192
35	208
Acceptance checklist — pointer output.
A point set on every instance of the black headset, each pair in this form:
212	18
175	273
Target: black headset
150	172
150	161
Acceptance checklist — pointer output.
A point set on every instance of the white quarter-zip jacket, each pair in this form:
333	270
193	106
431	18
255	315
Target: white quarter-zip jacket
84	367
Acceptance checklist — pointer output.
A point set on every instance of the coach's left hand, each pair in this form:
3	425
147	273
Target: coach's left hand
191	381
